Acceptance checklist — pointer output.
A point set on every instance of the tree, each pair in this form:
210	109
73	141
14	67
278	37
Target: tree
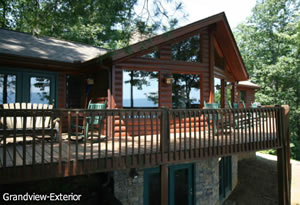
269	46
101	23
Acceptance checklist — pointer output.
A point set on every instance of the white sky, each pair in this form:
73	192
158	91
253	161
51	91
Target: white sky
236	10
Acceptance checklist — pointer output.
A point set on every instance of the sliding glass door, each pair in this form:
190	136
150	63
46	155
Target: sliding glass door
24	86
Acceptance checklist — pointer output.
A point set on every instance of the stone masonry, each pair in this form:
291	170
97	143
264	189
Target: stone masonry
131	191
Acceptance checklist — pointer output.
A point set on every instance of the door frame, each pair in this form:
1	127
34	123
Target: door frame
23	82
191	178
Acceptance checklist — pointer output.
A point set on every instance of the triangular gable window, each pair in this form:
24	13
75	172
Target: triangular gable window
187	50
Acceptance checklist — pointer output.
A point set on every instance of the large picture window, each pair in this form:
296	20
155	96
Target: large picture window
140	89
187	50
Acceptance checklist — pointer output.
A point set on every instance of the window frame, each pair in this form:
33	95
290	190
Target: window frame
23	82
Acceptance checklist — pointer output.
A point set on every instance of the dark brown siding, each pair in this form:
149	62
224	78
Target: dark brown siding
61	82
204	38
117	95
250	95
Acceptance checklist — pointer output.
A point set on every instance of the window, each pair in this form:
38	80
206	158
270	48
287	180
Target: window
243	96
40	90
7	88
27	86
225	176
140	89
187	50
218	92
186	91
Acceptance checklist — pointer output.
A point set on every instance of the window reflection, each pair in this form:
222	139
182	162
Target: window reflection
7	88
40	90
140	89
186	91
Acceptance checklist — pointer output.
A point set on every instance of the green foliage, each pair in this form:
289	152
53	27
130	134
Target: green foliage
269	42
102	23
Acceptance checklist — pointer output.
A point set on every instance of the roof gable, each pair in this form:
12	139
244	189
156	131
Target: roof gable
223	35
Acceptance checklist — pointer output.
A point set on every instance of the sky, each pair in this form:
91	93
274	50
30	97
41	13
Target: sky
236	10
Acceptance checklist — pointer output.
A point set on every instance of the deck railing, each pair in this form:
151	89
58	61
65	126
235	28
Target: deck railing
77	141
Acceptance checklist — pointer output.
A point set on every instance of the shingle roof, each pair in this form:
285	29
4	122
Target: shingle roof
22	44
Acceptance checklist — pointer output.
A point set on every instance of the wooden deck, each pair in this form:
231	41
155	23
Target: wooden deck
149	144
129	138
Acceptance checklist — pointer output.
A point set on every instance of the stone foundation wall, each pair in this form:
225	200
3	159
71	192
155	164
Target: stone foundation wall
234	160
247	155
207	182
129	191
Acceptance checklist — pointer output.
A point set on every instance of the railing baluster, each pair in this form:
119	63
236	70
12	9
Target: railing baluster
230	133
107	135
4	141
209	132
157	135
151	145
120	137
126	138
204	133
274	127
113	139
24	138
174	137
145	138
216	128
69	144
132	136
199	126
15	140
76	147
100	125
92	120
180	137
190	134
252	130
195	134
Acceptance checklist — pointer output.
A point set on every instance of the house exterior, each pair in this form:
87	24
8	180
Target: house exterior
156	138
246	92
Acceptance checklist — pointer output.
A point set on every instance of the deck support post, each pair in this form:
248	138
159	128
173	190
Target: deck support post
164	184
283	159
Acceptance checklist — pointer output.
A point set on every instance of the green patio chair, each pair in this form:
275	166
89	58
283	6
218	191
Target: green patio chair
96	119
213	117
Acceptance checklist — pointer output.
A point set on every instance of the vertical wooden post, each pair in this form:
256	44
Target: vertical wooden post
223	93
286	132
283	158
211	64
233	91
164	184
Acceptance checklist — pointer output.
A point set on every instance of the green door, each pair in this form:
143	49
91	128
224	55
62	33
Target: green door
225	176
152	186
181	188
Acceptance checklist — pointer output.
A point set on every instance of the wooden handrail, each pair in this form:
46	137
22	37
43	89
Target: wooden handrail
127	138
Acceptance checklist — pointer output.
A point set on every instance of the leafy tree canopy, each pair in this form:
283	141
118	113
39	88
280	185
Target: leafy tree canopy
269	42
96	22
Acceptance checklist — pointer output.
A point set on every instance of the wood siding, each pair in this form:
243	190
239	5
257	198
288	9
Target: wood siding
250	95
